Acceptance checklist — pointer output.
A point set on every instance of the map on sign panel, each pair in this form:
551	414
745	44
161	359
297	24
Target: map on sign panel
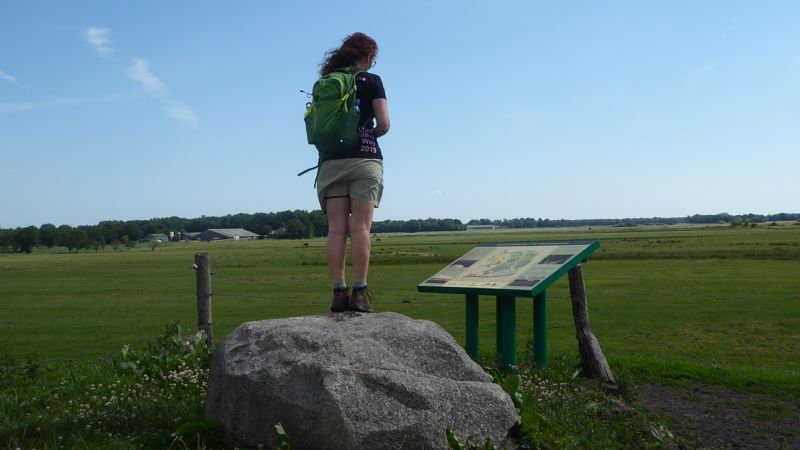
508	266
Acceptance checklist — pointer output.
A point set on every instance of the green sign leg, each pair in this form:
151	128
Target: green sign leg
507	331
540	329
499	327
472	326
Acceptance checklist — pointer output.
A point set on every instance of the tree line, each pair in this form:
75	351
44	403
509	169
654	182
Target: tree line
301	224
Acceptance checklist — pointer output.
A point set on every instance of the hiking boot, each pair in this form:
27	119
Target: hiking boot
341	301
360	301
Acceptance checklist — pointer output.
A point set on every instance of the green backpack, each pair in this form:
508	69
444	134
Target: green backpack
332	114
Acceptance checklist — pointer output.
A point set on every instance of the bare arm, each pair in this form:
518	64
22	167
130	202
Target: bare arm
381	109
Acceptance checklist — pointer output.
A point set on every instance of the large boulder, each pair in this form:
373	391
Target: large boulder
353	381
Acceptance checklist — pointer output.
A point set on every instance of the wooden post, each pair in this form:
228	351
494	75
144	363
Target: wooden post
202	267
593	361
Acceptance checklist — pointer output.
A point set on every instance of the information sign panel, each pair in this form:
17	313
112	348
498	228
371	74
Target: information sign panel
518	269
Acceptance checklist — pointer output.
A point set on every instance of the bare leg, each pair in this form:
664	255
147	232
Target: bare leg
360	246
338	211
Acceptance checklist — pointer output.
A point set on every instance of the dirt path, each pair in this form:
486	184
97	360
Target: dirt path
713	417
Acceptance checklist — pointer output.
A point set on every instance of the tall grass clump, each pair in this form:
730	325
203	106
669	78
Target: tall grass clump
561	410
151	397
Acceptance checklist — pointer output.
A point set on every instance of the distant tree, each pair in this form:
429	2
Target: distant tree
133	230
128	242
77	239
319	223
48	235
411	226
6	239
26	238
296	230
63	235
110	230
201	224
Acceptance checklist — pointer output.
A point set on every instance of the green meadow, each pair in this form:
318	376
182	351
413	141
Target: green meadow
671	304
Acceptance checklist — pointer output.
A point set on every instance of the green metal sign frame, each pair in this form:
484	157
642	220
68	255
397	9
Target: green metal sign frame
505	306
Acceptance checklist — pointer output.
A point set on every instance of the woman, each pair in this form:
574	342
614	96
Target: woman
350	186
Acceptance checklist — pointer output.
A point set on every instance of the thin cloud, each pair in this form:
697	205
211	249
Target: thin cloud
13	107
6	76
183	113
699	72
98	38
435	194
139	71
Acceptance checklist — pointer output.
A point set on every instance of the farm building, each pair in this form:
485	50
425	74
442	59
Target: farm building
482	227
218	234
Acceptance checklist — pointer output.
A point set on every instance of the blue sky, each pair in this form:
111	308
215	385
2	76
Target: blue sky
135	110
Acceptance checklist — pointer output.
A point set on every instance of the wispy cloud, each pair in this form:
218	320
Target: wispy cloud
183	113
139	71
99	39
699	72
434	194
12	107
6	76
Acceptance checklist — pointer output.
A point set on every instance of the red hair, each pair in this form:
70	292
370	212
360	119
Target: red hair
354	48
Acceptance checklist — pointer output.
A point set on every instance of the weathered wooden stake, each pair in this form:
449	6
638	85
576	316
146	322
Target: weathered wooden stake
593	361
202	267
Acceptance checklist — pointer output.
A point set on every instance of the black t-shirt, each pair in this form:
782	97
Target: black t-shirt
368	87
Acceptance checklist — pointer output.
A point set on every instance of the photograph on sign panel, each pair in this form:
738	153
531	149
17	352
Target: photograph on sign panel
527	282
556	259
502	264
464	263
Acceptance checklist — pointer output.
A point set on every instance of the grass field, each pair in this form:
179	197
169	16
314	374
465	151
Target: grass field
715	304
671	306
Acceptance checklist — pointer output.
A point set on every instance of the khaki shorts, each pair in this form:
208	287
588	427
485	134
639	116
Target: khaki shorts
360	179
